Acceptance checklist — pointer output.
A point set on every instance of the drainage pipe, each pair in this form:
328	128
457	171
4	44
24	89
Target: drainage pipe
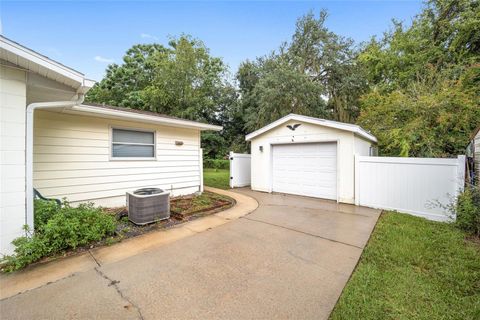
29	149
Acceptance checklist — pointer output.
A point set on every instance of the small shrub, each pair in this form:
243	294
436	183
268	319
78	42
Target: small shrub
73	227
44	211
58	229
27	251
216	164
467	209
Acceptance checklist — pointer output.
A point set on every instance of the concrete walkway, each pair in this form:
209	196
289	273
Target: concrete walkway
45	273
290	258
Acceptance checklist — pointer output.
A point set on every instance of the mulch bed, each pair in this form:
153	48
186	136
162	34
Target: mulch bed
182	209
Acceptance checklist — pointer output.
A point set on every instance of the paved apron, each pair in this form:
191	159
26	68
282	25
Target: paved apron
290	258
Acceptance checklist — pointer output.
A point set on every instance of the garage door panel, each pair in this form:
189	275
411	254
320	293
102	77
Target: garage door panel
305	169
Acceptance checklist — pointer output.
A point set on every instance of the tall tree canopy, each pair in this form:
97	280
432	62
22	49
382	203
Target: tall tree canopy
315	74
417	88
181	80
123	84
424	81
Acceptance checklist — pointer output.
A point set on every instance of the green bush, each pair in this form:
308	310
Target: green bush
58	229
216	164
44	211
467	210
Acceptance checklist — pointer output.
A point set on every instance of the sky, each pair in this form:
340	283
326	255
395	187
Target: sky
88	35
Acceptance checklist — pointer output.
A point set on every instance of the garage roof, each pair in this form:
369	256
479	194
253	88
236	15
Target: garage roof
321	122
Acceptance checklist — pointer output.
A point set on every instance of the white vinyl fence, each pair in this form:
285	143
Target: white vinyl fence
239	169
418	186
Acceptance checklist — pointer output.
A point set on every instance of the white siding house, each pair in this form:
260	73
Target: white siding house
308	156
476	143
73	158
473	153
50	140
12	153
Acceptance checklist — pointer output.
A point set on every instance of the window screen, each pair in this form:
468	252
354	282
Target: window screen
133	144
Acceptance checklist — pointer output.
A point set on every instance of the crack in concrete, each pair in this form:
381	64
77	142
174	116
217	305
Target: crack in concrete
318	210
303	232
39	287
114	283
308	261
94	259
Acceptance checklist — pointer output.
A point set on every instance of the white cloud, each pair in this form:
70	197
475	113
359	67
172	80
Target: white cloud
103	59
147	36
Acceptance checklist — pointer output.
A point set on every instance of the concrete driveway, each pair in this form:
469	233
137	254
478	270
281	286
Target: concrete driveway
290	258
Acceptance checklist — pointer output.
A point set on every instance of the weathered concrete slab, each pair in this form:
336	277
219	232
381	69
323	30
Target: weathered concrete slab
290	258
344	223
81	296
41	274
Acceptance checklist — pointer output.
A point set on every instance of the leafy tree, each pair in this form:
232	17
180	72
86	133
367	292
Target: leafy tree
315	74
329	60
421	120
181	80
417	88
123	84
284	90
444	38
424	81
187	82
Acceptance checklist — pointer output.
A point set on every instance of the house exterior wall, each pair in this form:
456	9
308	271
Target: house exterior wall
72	160
306	133
476	142
362	146
12	156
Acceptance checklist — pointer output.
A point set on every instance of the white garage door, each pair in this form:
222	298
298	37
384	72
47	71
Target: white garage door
308	169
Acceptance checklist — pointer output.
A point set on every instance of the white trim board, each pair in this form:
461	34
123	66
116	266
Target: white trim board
19	55
317	121
134	116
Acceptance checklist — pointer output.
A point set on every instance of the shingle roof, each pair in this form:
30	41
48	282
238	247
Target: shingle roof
146	112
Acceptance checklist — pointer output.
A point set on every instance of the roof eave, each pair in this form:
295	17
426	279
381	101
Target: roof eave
117	114
347	127
16	49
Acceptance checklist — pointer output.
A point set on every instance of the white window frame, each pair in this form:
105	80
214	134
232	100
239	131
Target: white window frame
110	151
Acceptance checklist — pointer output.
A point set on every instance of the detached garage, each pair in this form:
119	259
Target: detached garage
308	156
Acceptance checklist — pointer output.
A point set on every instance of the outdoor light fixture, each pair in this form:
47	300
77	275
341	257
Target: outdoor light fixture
179	143
260	148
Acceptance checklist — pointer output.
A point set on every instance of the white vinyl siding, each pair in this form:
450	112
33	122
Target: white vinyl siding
362	147
347	144
72	159
12	156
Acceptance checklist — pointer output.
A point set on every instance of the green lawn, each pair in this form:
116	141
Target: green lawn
414	269
217	178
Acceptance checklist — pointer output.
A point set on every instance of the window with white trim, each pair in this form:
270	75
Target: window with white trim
133	143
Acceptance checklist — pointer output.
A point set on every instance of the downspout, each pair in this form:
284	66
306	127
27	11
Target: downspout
29	149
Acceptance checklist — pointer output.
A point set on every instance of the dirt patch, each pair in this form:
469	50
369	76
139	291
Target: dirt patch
182	209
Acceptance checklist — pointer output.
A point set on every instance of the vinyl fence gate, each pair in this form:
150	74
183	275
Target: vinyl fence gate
418	186
239	169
